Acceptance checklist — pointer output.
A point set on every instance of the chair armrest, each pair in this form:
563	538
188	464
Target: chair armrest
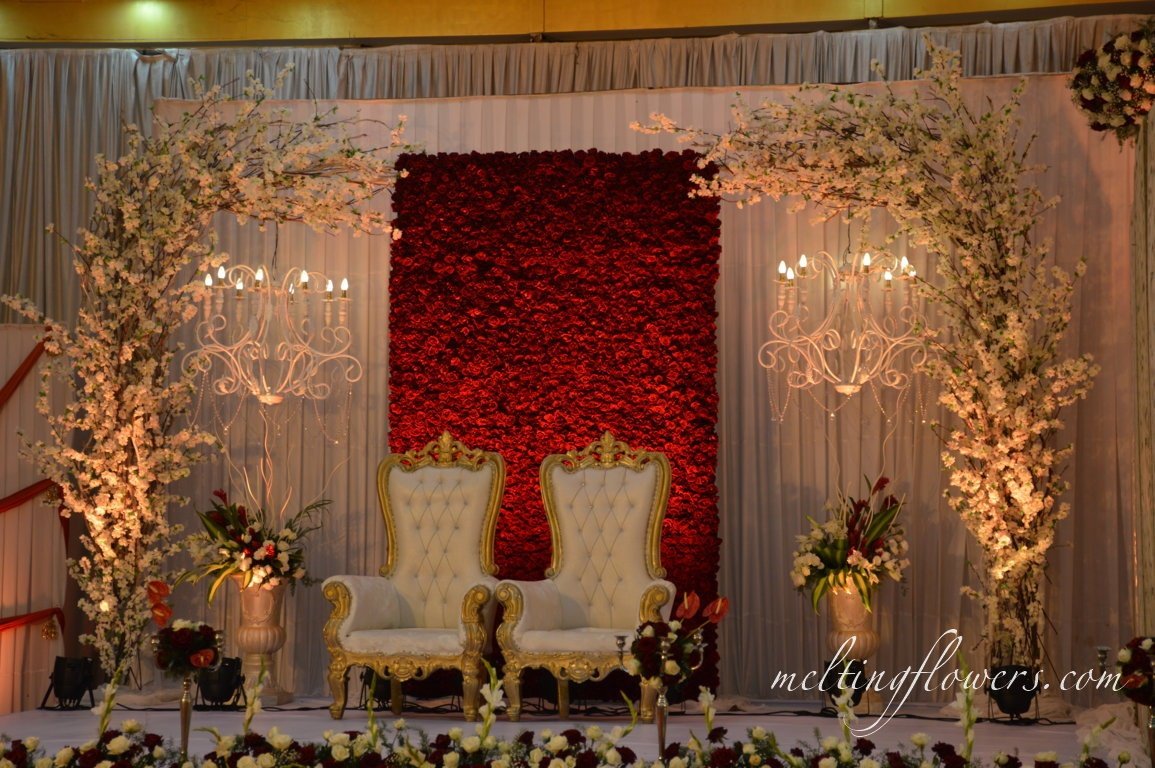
478	610
361	602
528	606
657	601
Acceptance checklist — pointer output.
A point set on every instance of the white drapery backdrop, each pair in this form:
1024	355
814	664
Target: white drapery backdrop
62	107
772	474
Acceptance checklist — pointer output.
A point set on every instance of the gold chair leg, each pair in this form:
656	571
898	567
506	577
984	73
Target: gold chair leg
339	686
470	690
649	702
396	697
512	685
563	698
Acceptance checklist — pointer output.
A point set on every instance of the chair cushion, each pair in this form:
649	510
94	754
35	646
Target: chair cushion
584	639
404	641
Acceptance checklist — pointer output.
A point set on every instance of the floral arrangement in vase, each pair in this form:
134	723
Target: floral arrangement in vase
185	647
237	541
860	543
669	651
1114	84
1136	665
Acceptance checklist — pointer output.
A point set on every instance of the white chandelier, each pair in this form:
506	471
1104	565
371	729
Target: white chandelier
269	340
871	332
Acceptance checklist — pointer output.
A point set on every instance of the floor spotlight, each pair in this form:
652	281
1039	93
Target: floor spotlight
71	678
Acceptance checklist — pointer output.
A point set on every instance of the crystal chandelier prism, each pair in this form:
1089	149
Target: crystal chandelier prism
268	340
871	332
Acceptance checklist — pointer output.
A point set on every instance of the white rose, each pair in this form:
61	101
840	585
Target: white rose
557	744
471	744
499	764
593	733
247	761
64	757
758	732
677	762
535	756
119	745
828	762
1047	757
340	753
455	734
557	762
32	743
208	764
104	764
278	740
829	743
613	757
920	740
267	760
158	752
671	667
1124	655
43	762
1146	644
869	763
451	760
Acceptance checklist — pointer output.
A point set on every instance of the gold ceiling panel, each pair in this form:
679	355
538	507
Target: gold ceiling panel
152	22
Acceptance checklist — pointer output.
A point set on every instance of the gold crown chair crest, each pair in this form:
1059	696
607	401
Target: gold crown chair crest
431	606
605	504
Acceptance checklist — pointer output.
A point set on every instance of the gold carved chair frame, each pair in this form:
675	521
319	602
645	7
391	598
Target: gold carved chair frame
443	453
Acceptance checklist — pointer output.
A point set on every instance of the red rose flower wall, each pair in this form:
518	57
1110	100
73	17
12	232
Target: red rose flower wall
539	299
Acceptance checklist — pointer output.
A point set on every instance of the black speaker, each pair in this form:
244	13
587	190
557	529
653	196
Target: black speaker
70	679
221	688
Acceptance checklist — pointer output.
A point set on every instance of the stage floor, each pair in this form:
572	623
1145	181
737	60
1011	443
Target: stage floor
308	719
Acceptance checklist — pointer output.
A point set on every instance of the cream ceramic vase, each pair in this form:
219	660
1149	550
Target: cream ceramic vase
261	635
850	619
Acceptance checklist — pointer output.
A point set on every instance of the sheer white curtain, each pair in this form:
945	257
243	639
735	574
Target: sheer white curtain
771	474
59	108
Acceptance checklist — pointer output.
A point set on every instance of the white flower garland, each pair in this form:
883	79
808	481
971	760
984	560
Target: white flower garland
957	183
124	438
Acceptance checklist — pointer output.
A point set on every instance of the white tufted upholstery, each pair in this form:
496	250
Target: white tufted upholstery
438	520
601	515
431	607
605	506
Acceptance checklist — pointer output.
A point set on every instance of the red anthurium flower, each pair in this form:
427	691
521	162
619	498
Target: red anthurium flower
1134	680
717	609
161	613
202	659
688	607
879	484
158	591
222	495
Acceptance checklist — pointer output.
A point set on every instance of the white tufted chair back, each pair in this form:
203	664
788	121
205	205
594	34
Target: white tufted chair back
440	512
605	505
